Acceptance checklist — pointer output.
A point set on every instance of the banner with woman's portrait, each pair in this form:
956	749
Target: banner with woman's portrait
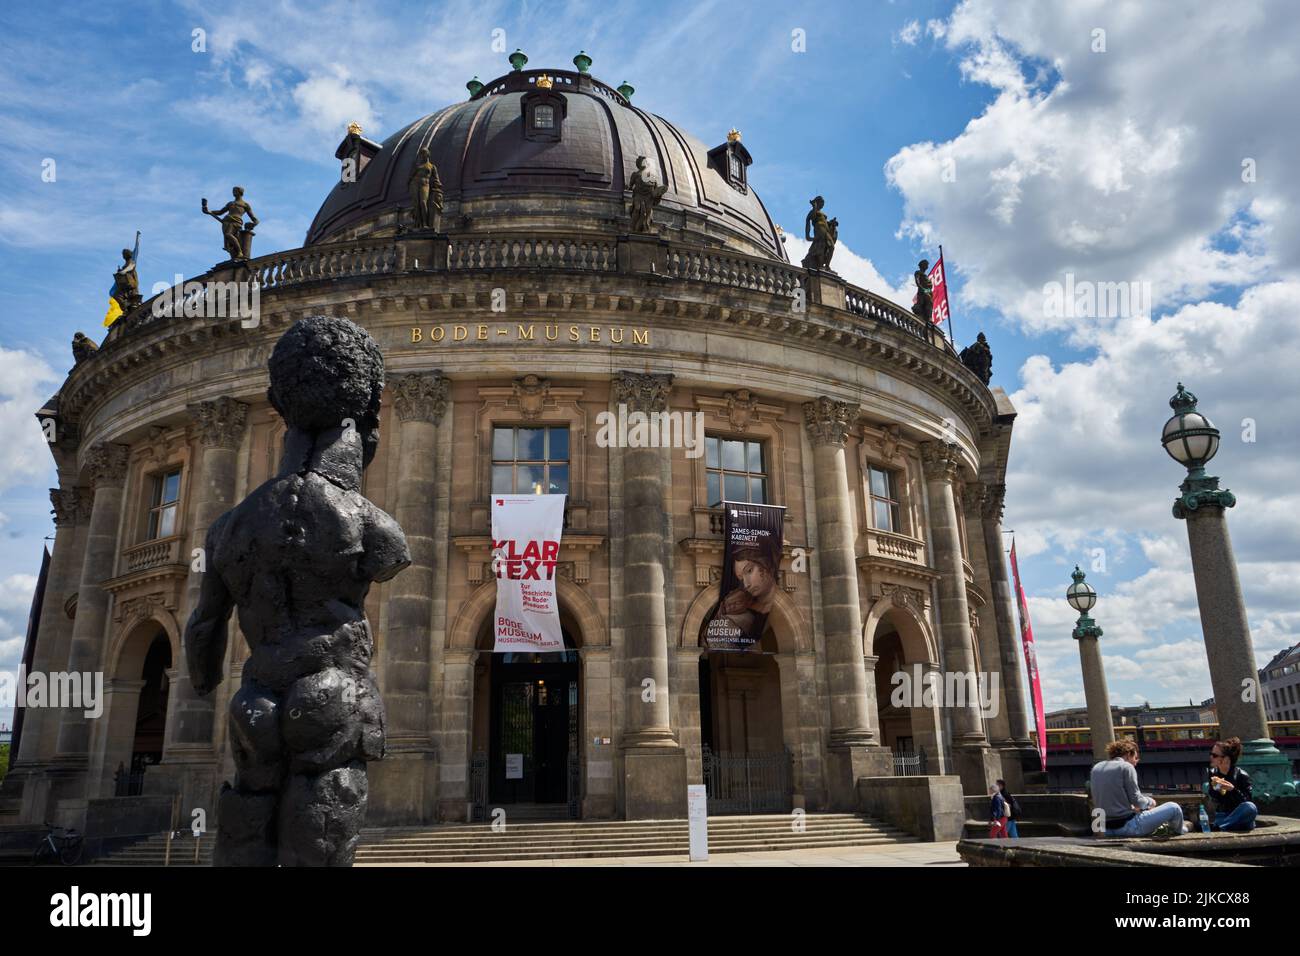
751	564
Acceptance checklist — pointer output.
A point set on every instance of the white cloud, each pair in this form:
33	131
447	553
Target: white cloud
26	381
853	268
909	34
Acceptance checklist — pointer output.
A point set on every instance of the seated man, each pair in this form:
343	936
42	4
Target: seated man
1128	811
1230	788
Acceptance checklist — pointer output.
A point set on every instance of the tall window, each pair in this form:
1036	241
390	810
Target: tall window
884	500
543	117
735	470
163	505
530	460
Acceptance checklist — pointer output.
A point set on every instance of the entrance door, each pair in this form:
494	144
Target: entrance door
534	727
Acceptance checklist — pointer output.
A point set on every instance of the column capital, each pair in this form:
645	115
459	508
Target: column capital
219	422
994	500
972	498
420	396
939	460
828	421
106	463
642	392
70	506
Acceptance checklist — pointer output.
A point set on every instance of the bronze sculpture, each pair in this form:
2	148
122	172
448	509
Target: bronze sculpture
978	357
924	305
126	283
646	193
236	237
426	193
822	233
296	558
83	347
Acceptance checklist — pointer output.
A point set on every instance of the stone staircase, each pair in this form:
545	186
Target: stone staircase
465	843
152	851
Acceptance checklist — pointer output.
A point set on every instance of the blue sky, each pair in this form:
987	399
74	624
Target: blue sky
1116	164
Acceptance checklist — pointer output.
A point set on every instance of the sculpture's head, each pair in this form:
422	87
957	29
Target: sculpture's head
817	202
923	265
641	162
422	154
980	338
238	192
126	254
325	371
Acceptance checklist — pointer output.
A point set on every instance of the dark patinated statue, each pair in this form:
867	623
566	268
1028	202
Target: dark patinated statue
646	193
978	357
126	283
426	193
924	306
235	235
822	233
296	558
83	347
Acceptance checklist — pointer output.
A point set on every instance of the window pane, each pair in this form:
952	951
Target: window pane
531	444
172	486
156	494
711	452
734	486
153	530
895	523
733	455
528	479
167	526
881	516
756	456
714	495
559	480
503	446
503	479
880	483
758	491
559	450
543	117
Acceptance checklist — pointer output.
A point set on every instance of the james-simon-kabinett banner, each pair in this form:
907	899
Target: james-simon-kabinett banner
525	550
751	561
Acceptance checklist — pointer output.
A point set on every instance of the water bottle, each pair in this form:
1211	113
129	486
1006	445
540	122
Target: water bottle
1205	819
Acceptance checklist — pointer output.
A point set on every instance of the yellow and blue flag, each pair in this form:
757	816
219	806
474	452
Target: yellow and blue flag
114	307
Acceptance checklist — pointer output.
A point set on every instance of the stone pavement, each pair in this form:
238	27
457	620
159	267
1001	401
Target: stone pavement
900	854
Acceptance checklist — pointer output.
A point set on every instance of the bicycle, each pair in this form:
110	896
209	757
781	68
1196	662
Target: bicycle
61	843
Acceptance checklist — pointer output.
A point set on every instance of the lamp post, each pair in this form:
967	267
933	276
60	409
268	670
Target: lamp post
1082	597
1191	439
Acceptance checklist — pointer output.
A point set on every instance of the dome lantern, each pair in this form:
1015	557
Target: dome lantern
518	59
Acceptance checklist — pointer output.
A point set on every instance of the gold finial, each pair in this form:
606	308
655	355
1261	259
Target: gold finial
733	136
544	82
354	127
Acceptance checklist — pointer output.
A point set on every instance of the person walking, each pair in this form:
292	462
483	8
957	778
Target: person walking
1127	811
1013	810
997	815
1230	788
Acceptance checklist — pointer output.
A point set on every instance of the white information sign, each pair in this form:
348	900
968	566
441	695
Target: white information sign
697	812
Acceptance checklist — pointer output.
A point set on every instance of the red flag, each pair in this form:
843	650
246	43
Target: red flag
939	289
1031	659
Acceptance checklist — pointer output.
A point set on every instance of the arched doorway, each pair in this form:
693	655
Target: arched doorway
135	711
907	717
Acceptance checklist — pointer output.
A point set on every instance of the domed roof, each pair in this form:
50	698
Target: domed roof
497	176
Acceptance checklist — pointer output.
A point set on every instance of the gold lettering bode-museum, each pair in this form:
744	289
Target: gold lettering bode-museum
887	453
529	332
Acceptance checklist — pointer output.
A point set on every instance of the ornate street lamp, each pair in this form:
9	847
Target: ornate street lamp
1191	439
1101	728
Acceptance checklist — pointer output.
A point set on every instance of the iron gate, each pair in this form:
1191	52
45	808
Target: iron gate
754	782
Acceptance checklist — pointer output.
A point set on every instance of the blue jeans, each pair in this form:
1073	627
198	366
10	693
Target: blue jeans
1012	832
1145	822
1240	819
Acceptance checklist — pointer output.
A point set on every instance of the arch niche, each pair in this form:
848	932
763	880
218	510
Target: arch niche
905	652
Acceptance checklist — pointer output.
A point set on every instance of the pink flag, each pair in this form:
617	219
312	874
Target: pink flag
1031	659
939	290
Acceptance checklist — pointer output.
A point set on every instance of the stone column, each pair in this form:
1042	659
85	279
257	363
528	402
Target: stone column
975	762
405	782
106	463
1004	614
1100	726
1233	671
599	799
984	621
854	750
457	733
654	763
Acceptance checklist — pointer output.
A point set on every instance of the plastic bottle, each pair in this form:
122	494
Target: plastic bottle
1205	819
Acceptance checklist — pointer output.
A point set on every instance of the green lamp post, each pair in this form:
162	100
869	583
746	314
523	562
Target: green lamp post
582	61
518	59
474	86
1191	439
626	89
1082	598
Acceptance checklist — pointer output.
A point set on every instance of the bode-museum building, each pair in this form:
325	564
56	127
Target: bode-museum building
521	297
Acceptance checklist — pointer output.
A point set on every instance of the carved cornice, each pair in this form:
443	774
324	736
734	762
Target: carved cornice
642	392
828	421
994	499
531	393
939	460
219	423
106	463
420	396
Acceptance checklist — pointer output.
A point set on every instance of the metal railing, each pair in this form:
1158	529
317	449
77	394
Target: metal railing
478	787
754	782
907	764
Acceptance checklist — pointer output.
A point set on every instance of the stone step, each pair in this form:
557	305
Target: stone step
579	853
714	837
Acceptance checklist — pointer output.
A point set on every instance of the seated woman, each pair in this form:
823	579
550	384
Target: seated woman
1128	812
1230	788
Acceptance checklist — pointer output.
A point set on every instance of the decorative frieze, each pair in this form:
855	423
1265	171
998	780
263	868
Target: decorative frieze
828	421
219	423
420	396
642	392
531	393
900	595
741	408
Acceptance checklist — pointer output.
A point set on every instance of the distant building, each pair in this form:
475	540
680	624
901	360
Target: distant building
1141	716
1280	680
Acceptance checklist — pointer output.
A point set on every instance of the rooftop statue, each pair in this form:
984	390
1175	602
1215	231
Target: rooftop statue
83	347
646	193
235	234
126	283
978	357
822	233
296	558
924	305
426	193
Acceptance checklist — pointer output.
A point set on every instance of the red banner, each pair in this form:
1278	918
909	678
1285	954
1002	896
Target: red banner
1031	659
939	290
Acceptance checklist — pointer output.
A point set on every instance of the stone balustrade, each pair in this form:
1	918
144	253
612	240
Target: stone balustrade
895	547
152	554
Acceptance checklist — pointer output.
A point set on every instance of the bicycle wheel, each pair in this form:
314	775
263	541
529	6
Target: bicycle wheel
70	854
